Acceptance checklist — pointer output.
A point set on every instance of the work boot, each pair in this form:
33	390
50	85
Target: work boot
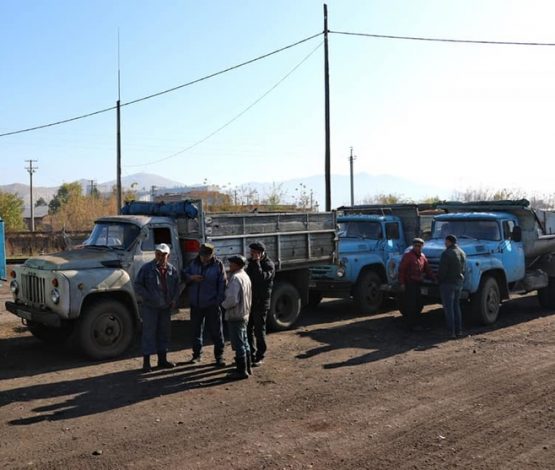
249	364
146	364
163	362
258	362
240	372
196	359
220	362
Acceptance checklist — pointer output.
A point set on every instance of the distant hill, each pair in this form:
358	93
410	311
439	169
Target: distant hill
144	181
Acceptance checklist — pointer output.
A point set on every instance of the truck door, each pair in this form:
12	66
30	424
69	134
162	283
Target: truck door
158	234
392	239
512	253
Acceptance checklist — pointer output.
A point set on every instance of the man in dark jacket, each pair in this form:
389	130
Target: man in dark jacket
157	285
413	269
452	266
205	277
261	271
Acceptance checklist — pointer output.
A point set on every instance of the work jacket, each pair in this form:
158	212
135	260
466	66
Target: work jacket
414	268
452	265
209	291
238	297
262	275
153	290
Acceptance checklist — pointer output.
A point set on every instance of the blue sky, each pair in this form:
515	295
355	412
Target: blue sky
456	115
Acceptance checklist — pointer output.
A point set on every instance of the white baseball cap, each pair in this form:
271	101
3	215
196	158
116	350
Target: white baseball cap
162	248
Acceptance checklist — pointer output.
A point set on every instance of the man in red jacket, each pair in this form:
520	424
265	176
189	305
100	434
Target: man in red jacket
413	269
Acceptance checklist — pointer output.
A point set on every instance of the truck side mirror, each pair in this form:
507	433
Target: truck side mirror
516	234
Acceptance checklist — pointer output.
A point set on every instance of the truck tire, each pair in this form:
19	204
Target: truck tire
104	330
49	334
314	298
367	293
285	307
546	296
485	304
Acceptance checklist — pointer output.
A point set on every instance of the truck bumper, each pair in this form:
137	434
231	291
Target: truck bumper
32	314
333	289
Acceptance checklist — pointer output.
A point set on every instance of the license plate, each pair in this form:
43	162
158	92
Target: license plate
23	314
424	290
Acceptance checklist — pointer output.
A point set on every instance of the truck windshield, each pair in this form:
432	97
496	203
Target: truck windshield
360	229
467	228
112	234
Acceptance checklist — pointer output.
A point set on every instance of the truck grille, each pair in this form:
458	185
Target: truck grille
33	289
434	266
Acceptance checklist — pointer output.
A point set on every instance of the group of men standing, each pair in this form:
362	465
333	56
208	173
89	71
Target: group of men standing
414	269
244	297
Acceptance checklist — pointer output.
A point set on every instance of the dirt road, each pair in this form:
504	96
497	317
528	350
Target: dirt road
342	391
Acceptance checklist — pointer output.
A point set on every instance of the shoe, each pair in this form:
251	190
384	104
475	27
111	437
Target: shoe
220	362
460	334
195	359
453	336
258	363
249	365
163	362
146	364
240	372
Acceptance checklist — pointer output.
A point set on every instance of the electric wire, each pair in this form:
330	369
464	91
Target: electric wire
451	40
234	118
163	92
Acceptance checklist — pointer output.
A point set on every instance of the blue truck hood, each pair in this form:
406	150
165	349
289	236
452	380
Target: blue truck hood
84	258
348	246
433	248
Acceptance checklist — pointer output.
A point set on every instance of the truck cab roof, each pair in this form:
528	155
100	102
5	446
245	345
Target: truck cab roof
367	218
139	220
475	216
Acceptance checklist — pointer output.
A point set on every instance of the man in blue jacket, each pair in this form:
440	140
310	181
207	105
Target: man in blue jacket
205	277
157	285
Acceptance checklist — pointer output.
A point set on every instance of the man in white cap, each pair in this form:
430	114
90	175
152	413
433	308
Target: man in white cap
157	285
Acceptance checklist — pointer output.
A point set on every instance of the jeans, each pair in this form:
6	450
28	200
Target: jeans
238	337
451	300
156	330
256	332
213	317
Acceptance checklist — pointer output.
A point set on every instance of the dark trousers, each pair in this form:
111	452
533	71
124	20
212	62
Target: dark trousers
256	331
212	316
156	330
412	302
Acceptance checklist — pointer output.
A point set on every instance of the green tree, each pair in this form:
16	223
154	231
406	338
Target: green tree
40	202
11	211
65	192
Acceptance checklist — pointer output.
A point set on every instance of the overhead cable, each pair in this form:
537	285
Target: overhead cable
233	119
463	41
169	90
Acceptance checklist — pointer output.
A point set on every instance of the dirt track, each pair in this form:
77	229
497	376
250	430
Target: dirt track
341	391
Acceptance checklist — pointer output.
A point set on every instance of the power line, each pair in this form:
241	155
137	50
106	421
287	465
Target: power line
169	90
464	41
237	116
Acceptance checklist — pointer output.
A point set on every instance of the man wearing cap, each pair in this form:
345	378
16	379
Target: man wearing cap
157	285
261	271
205	277
414	268
237	304
452	266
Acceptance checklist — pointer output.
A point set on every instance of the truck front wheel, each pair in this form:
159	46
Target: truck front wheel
367	292
105	329
285	307
546	296
50	334
485	304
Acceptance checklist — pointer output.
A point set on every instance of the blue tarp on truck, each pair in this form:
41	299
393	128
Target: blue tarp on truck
164	209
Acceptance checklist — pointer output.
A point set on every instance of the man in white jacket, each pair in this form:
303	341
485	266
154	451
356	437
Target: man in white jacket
237	304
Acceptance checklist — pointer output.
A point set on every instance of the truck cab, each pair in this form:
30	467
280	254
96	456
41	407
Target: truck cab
366	242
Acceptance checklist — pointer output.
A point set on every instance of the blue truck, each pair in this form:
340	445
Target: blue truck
510	249
369	236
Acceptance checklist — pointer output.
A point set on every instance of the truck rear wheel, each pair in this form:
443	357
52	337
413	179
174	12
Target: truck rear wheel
546	296
105	329
50	334
367	292
485	304
285	307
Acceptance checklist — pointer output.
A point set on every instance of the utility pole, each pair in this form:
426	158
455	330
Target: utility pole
327	111
352	158
31	169
92	188
118	139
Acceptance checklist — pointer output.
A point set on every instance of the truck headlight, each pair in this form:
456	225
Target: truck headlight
55	296
340	271
14	287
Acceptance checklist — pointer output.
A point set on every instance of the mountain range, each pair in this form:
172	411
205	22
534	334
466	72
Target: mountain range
366	186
